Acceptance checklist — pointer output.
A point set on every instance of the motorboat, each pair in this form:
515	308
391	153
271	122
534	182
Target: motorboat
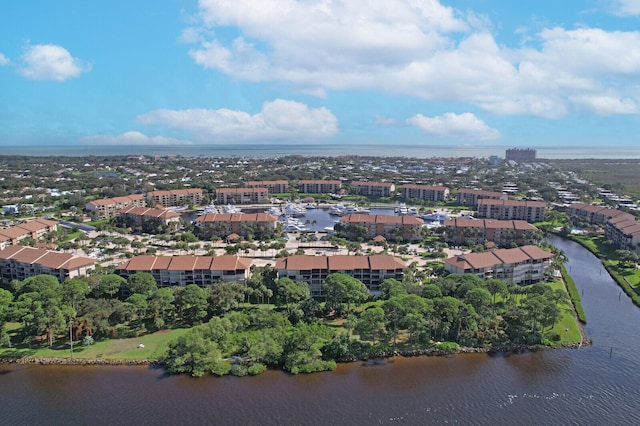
211	208
337	210
402	209
275	211
292	224
230	209
295	210
355	210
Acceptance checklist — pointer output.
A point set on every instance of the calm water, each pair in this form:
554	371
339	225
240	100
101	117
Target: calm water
597	385
277	150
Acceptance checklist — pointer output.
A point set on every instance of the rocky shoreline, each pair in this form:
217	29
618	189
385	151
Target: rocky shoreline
353	358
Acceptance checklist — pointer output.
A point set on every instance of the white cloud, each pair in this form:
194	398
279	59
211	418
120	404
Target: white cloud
385	121
607	105
51	62
464	126
419	48
626	7
279	119
133	138
4	60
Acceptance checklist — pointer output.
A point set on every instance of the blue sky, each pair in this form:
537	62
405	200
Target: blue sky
461	72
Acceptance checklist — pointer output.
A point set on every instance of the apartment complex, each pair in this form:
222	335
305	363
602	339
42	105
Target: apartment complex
149	218
620	227
35	229
185	270
594	215
522	265
624	231
407	228
319	186
242	195
109	207
460	231
519	154
177	197
424	192
274	186
372	189
470	197
224	224
19	263
313	270
530	211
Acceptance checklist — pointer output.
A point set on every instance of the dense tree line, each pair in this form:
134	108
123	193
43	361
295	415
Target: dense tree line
235	332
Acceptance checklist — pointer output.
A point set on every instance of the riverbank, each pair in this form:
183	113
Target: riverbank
621	280
408	353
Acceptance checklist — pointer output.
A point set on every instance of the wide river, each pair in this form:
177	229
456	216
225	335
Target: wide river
597	385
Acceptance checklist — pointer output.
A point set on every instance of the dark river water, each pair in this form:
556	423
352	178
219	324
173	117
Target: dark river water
597	385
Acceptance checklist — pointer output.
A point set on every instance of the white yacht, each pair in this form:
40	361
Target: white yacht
337	210
275	211
292	224
211	208
355	210
230	209
295	210
402	209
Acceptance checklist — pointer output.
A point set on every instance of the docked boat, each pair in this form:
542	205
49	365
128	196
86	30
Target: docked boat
211	208
435	218
402	209
275	211
292	224
355	210
337	210
230	209
295	210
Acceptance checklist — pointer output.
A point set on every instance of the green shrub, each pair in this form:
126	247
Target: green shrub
574	295
239	370
255	369
447	346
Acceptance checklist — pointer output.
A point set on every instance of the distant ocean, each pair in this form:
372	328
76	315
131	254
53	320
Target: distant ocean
279	150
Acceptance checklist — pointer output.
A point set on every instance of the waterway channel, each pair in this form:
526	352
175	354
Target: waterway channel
595	385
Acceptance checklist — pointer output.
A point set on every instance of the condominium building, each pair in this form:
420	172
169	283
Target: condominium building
177	197
319	186
470	197
594	215
424	192
274	186
460	231
313	270
35	229
530	211
519	154
185	270
522	265
260	225
372	189
624	231
109	207
149	218
407	228
19	263
242	195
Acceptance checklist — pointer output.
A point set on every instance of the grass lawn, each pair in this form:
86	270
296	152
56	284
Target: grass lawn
155	345
566	323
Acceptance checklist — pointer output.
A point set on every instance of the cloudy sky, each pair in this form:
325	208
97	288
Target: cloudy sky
448	72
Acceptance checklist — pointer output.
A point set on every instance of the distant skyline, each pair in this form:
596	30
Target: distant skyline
475	73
